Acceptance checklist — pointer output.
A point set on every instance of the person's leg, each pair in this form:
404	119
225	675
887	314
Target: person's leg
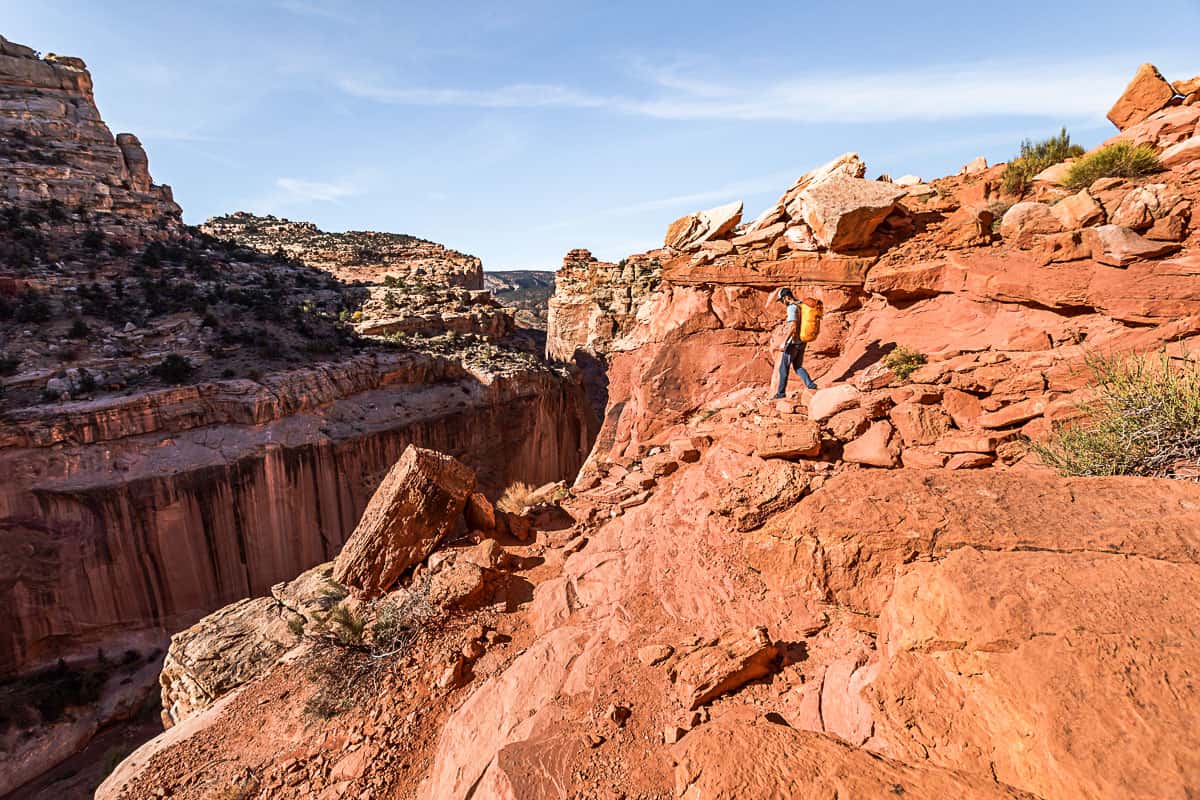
798	365
785	362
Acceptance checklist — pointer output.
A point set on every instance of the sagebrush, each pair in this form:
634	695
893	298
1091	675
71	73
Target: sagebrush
1120	160
1035	157
1144	420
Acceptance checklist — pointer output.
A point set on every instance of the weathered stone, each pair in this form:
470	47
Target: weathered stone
1078	211
969	226
479	513
1186	152
1025	223
844	212
824	403
709	670
1118	247
788	438
1146	93
415	506
874	448
918	423
703	225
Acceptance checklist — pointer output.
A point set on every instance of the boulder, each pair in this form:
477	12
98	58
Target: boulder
1078	211
922	458
1146	93
1139	209
844	212
480	513
970	461
824	403
975	166
907	180
1185	152
1014	414
874	448
800	237
1025	223
1118	247
703	226
918	423
415	507
788	438
969	226
707	670
968	443
1054	174
1187	87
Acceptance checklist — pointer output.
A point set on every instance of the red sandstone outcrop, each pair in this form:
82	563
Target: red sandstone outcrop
367	256
56	146
1146	93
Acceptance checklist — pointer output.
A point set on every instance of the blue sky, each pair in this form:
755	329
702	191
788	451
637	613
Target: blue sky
518	131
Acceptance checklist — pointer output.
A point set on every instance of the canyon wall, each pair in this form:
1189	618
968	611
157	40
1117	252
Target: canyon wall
55	146
124	521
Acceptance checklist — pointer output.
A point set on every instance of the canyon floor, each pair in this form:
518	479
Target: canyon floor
440	565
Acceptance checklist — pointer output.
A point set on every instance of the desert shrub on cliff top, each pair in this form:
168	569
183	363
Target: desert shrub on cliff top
1035	157
1144	420
1120	160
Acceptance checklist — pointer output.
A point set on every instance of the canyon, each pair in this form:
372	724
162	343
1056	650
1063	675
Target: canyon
440	562
875	588
217	429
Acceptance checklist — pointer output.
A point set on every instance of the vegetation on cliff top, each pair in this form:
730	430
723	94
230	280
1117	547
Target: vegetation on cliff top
1035	157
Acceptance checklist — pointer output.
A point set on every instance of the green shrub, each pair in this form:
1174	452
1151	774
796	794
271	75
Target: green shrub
1018	175
8	364
346	625
1144	420
1120	160
173	369
903	361
79	330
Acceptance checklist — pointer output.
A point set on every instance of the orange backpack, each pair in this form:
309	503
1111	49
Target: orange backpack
811	311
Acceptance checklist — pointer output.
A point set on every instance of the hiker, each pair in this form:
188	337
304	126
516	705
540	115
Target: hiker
804	320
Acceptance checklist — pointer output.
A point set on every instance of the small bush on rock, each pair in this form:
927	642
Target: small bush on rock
173	369
1145	420
903	361
515	498
1018	175
1120	160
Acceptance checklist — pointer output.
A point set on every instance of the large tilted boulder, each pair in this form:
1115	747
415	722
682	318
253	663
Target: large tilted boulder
703	226
417	505
1146	93
843	212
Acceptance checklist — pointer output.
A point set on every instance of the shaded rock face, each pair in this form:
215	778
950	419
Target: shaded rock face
55	146
367	256
130	519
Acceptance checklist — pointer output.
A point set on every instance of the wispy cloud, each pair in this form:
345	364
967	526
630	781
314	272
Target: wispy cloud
297	190
313	8
1069	89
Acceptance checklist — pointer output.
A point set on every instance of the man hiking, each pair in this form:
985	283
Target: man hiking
804	320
